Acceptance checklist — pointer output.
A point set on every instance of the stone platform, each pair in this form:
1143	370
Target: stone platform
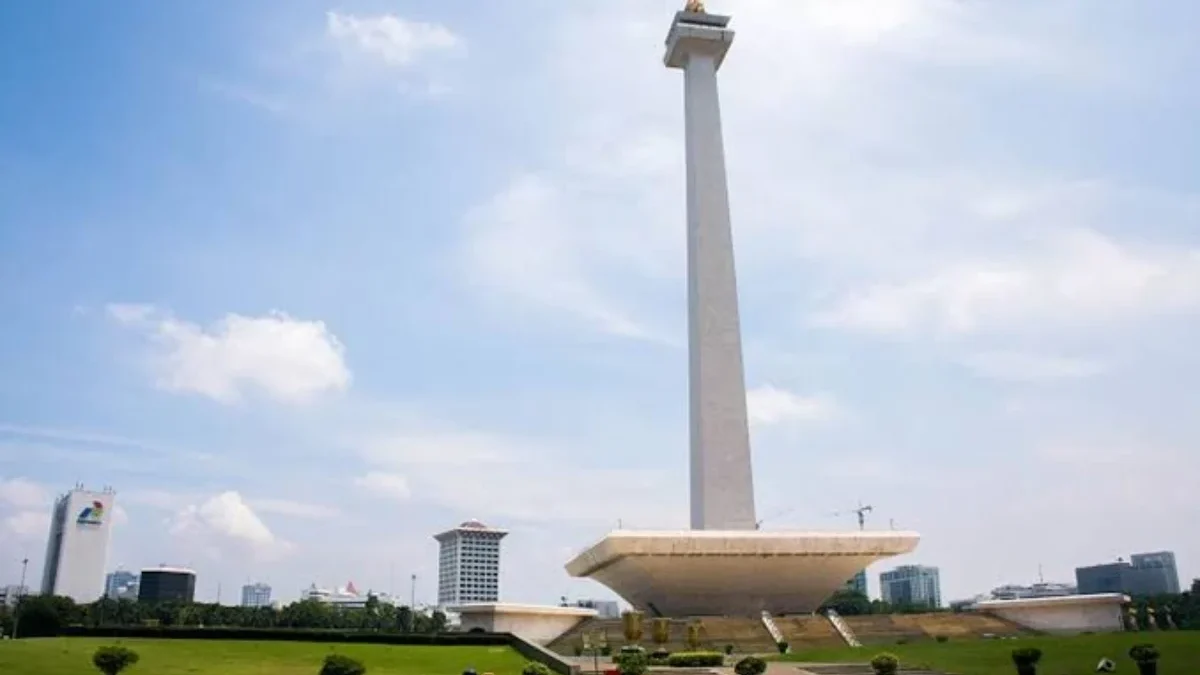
733	573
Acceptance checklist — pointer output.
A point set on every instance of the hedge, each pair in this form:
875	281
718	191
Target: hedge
527	649
288	635
696	659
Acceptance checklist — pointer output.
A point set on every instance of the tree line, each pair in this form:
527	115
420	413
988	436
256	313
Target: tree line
46	615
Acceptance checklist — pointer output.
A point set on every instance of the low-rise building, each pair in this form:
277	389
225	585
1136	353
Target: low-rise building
1038	590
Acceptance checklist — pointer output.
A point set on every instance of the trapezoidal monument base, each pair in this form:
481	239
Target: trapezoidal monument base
733	573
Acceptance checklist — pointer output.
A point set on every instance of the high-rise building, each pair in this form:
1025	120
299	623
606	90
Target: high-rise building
256	595
121	585
162	584
1147	574
469	564
912	585
77	546
858	583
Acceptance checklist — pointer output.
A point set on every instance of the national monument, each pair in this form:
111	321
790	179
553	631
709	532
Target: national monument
723	565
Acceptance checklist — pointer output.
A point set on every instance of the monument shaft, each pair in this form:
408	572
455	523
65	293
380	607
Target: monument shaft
722	486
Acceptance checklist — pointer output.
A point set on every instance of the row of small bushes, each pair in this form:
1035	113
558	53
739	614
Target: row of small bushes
112	660
1026	659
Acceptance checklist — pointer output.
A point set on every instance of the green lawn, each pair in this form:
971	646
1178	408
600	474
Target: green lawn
1061	655
73	656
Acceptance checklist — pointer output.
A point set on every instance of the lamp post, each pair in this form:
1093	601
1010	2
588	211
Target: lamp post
20	597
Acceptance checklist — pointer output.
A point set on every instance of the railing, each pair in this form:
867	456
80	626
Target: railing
842	628
769	623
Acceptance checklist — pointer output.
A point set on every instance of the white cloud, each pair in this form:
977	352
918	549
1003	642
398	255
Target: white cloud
28	524
513	478
768	405
24	510
226	520
502	259
390	485
1024	367
288	359
286	507
396	41
1080	277
23	493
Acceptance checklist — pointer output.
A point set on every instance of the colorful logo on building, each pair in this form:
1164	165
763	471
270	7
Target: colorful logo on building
91	515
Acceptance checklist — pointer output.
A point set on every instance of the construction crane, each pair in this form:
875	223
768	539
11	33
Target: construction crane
861	512
773	516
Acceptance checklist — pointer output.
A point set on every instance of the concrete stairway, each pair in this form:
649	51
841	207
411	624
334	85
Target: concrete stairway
842	628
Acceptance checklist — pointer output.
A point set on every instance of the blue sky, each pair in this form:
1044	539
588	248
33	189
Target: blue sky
308	282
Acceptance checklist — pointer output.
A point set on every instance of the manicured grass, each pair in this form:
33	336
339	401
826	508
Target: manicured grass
1061	655
73	656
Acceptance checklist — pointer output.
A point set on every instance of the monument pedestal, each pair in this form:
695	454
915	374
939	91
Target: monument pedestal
738	573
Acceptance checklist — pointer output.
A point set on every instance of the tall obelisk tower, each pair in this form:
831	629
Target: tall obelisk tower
722	487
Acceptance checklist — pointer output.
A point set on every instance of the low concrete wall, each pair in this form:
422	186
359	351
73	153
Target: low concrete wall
1100	613
539	624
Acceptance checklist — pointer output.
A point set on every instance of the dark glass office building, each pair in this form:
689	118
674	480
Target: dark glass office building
162	584
1146	574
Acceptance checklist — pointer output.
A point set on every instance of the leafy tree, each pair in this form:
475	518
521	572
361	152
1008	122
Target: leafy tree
112	660
437	621
847	602
42	616
404	619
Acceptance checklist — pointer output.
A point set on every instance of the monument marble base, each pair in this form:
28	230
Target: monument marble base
733	573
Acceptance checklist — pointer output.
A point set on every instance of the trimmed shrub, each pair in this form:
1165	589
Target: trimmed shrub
605	650
340	664
751	665
535	668
1026	660
1146	657
632	663
885	664
942	638
782	646
728	650
578	650
112	660
1144	653
696	659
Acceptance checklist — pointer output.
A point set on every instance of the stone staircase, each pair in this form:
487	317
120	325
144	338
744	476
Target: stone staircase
842	628
769	624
